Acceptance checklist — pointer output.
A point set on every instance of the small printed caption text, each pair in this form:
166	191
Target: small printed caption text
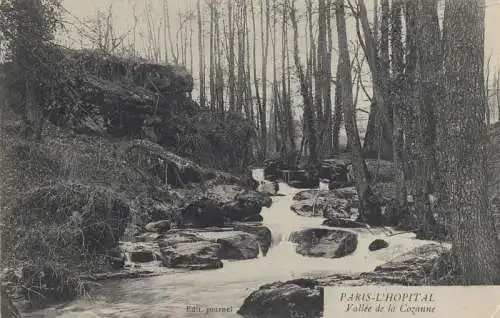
411	303
207	309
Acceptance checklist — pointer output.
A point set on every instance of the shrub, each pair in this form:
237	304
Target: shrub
66	223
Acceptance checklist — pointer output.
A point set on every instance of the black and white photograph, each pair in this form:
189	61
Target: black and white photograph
244	158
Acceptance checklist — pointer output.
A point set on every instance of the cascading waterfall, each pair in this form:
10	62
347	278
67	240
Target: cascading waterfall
280	220
228	286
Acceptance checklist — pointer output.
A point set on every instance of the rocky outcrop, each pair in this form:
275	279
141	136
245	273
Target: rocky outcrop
319	242
292	299
122	97
163	166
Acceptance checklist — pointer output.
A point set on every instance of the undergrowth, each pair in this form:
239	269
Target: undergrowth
65	201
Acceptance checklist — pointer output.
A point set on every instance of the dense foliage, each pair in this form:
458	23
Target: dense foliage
34	70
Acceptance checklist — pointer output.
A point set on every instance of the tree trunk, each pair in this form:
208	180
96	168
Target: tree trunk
327	95
201	57
231	75
219	75
397	59
411	89
319	76
33	111
240	100
377	64
429	65
213	98
265	53
367	213
284	89
304	90
497	93
462	132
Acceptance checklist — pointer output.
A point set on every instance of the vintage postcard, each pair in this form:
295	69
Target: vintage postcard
250	158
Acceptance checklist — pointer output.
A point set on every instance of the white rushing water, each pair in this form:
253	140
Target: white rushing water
170	294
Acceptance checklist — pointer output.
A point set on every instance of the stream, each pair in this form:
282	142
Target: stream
170	294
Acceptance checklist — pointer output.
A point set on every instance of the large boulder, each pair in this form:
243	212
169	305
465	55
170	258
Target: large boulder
202	213
258	198
292	299
234	245
223	203
223	193
377	244
334	169
262	233
246	206
304	179
334	204
142	256
411	268
273	167
192	255
319	242
242	211
204	249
